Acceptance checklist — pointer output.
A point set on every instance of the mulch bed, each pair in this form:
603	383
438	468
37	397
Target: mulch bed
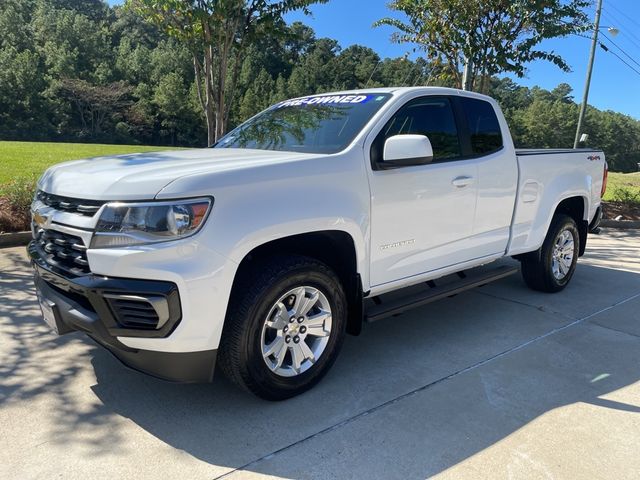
13	220
628	212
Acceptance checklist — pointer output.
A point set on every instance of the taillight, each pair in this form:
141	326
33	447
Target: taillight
604	179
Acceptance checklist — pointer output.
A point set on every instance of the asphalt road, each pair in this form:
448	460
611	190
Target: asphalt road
499	382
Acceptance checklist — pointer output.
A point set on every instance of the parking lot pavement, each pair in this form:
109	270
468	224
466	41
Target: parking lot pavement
493	383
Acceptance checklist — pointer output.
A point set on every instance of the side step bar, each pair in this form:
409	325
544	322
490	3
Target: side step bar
394	303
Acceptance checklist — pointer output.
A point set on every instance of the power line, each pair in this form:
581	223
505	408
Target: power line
615	19
628	32
581	35
619	48
624	15
619	58
606	49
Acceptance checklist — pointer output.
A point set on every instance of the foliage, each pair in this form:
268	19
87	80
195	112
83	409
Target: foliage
490	36
217	33
19	192
81	70
626	195
547	119
48	46
95	103
623	187
15	201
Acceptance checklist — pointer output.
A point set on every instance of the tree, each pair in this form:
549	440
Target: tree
477	39
93	9
355	66
280	90
44	43
71	44
171	99
258	96
545	123
95	103
563	93
21	105
301	39
218	32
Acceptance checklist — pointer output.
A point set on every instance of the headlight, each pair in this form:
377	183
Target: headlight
125	224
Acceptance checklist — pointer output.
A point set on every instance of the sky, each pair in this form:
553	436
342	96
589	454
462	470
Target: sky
614	85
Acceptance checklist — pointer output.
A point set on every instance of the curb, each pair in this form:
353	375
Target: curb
14	239
622	224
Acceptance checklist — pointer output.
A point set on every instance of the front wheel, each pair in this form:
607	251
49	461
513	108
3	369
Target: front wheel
284	328
552	270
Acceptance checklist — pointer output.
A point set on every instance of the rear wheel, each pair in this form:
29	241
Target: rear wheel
552	270
284	328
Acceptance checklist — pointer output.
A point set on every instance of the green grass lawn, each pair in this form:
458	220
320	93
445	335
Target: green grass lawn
26	159
629	181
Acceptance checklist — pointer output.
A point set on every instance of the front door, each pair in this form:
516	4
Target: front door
422	216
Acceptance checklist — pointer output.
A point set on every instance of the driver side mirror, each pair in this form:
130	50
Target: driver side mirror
406	151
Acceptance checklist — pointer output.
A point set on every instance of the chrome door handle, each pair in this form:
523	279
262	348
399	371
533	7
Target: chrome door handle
461	182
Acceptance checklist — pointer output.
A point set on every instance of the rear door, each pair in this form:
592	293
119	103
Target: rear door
495	158
422	216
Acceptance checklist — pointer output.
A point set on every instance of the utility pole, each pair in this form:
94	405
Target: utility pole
592	56
467	81
466	76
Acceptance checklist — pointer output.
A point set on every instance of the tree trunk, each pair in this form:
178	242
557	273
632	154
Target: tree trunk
209	110
211	122
205	102
221	107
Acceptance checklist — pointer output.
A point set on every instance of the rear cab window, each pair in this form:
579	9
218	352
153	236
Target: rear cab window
483	126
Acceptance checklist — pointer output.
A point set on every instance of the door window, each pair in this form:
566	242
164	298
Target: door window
430	116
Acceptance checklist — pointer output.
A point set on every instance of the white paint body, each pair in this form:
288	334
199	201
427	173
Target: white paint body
408	225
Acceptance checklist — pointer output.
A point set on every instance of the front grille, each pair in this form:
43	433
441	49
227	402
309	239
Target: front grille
72	205
133	313
62	251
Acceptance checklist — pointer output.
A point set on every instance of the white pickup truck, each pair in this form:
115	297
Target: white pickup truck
299	225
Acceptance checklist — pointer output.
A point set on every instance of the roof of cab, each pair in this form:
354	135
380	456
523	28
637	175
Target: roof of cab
402	90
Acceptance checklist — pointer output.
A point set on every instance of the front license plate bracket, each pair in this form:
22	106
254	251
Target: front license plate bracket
51	316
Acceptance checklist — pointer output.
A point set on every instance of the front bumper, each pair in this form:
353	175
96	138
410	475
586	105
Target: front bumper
83	304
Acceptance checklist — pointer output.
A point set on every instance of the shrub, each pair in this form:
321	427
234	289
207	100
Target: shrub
15	200
19	192
626	196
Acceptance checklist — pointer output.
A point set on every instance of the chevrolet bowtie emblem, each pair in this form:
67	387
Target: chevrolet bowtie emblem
39	219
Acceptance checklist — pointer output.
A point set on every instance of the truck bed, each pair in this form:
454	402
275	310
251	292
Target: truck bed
546	177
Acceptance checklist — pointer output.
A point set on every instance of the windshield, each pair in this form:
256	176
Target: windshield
316	124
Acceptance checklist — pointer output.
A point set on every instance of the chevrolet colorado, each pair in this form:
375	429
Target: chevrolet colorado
259	254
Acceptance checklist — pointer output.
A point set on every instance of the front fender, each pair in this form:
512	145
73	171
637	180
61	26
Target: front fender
265	203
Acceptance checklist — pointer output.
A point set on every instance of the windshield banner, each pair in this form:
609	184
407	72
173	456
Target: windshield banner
326	100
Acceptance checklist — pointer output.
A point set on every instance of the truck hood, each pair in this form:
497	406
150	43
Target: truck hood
141	176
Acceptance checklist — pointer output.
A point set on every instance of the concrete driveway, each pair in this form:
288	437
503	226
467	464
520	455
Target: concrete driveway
499	382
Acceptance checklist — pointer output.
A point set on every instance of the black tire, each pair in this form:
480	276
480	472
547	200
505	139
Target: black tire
537	271
255	293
